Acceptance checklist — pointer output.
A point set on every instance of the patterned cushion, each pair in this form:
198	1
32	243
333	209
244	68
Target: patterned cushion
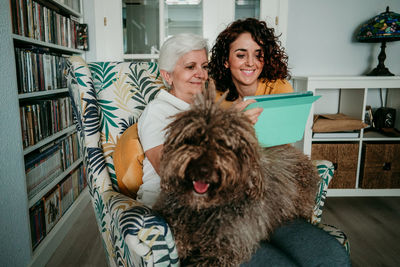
128	159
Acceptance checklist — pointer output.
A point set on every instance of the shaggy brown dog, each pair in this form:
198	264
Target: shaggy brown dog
221	192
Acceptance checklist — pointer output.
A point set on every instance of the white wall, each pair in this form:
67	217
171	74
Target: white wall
321	37
105	39
214	20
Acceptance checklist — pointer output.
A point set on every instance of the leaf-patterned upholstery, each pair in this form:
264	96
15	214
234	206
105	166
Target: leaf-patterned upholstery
107	98
325	170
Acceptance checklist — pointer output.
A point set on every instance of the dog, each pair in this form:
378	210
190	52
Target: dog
221	193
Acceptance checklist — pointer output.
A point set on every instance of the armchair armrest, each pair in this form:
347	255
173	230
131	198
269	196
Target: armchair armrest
325	170
146	236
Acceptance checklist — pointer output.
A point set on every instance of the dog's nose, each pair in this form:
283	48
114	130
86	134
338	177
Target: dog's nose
203	171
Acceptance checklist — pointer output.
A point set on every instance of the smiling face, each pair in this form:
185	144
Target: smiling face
246	62
190	71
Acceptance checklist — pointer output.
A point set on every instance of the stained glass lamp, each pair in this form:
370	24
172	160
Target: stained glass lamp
382	28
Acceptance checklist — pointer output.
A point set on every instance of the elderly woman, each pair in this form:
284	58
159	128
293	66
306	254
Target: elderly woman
183	66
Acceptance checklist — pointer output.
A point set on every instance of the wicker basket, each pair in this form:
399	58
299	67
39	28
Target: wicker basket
381	165
344	157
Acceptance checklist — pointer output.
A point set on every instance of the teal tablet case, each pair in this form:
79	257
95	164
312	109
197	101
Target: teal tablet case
284	117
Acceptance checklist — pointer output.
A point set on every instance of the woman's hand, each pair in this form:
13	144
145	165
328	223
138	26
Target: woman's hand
252	113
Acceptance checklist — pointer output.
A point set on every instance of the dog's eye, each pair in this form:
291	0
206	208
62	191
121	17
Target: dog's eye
222	143
189	141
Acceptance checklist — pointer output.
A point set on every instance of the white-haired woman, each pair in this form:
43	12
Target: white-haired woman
183	65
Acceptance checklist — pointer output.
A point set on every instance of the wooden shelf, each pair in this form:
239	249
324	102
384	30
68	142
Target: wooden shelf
60	48
360	192
350	95
66	8
32	201
49	139
42	93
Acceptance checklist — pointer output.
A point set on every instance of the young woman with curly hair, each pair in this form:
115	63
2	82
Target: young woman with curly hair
247	59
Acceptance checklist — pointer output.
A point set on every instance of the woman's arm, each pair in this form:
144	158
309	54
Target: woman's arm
154	156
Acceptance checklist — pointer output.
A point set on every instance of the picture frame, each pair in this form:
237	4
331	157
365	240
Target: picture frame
83	39
368	117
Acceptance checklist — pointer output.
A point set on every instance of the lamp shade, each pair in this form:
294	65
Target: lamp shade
384	27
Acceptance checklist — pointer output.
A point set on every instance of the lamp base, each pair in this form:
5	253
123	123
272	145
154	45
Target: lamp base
381	70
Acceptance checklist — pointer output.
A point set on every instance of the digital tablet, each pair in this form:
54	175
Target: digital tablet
284	117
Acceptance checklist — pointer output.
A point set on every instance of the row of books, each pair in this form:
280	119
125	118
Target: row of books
45	164
48	211
43	118
38	70
34	20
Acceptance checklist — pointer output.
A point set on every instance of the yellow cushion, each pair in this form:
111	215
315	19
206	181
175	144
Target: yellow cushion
128	162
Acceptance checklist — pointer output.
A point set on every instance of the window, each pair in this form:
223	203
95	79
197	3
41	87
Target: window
140	26
183	16
147	23
247	9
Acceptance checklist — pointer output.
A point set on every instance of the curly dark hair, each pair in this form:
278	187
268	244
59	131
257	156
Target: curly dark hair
275	58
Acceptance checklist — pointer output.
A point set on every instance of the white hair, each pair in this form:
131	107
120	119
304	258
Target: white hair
176	46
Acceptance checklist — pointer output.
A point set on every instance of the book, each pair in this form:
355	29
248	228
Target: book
41	168
284	117
336	135
36	218
67	194
52	208
75	183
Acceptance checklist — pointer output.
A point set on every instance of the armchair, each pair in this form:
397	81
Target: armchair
107	98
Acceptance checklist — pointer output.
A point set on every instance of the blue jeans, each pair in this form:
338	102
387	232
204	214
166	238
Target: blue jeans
299	243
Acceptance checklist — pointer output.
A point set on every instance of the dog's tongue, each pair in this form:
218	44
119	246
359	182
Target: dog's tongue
200	187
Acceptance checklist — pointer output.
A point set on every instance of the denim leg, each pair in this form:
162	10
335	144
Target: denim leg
268	255
309	245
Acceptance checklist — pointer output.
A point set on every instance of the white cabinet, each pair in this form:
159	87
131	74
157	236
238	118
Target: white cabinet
351	95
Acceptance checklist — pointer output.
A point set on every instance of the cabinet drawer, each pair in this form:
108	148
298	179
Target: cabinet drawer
381	168
344	157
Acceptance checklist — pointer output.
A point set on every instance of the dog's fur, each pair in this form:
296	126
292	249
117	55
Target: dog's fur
251	191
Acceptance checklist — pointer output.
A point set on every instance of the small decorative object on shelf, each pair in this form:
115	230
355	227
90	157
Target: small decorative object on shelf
382	28
369	118
384	118
83	41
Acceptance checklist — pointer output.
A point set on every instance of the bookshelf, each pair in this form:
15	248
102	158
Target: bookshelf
351	95
42	174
